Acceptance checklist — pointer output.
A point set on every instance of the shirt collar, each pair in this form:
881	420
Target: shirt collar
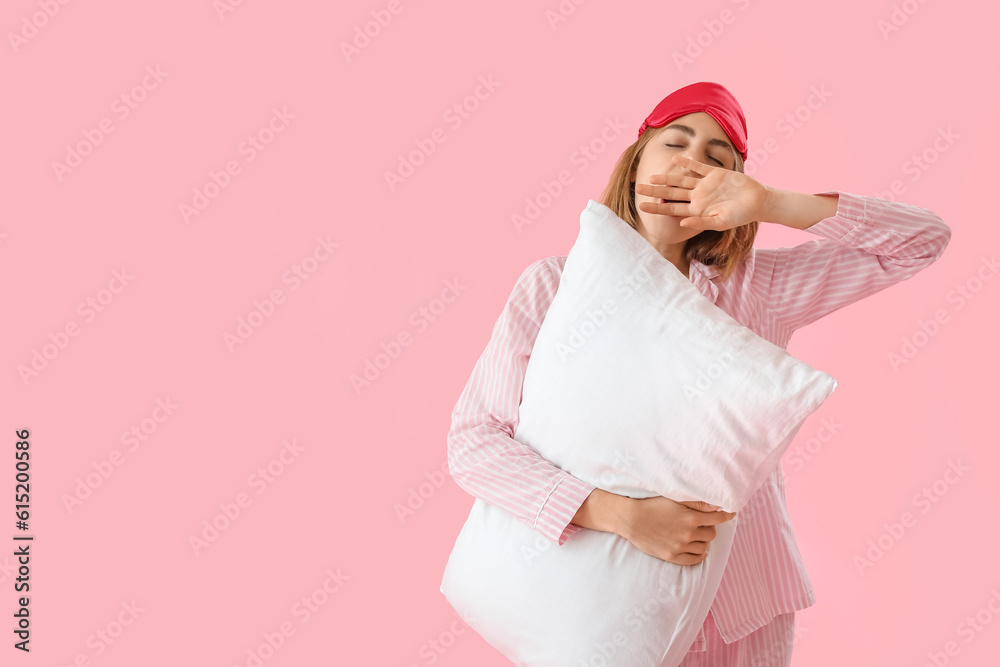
702	276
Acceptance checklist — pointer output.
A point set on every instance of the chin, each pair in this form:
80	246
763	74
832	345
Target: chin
655	219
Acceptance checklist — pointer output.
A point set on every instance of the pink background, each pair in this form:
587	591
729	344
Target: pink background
333	505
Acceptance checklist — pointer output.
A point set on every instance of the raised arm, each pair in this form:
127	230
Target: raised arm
484	458
868	245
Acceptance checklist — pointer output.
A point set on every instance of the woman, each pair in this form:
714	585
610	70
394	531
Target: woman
681	186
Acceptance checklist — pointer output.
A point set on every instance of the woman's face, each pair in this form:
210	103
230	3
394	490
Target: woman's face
695	135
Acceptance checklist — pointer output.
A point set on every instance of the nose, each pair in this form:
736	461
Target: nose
695	153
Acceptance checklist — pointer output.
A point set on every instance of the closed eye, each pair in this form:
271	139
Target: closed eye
709	157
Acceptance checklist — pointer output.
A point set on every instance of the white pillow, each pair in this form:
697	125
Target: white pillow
639	385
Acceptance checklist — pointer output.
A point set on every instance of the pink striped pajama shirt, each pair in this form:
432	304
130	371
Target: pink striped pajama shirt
868	245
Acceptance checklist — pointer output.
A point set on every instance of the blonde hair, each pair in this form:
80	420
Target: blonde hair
724	250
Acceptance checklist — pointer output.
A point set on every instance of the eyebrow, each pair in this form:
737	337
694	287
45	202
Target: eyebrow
711	142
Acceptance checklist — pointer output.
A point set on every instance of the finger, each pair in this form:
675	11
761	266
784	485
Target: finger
698	505
715	518
687	559
696	548
676	210
703	534
692	164
706	508
678	180
700	222
663	191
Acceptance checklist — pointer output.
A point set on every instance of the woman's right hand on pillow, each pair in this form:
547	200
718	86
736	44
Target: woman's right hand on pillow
678	532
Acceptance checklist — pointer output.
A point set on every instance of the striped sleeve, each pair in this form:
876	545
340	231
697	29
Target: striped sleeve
868	245
484	458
